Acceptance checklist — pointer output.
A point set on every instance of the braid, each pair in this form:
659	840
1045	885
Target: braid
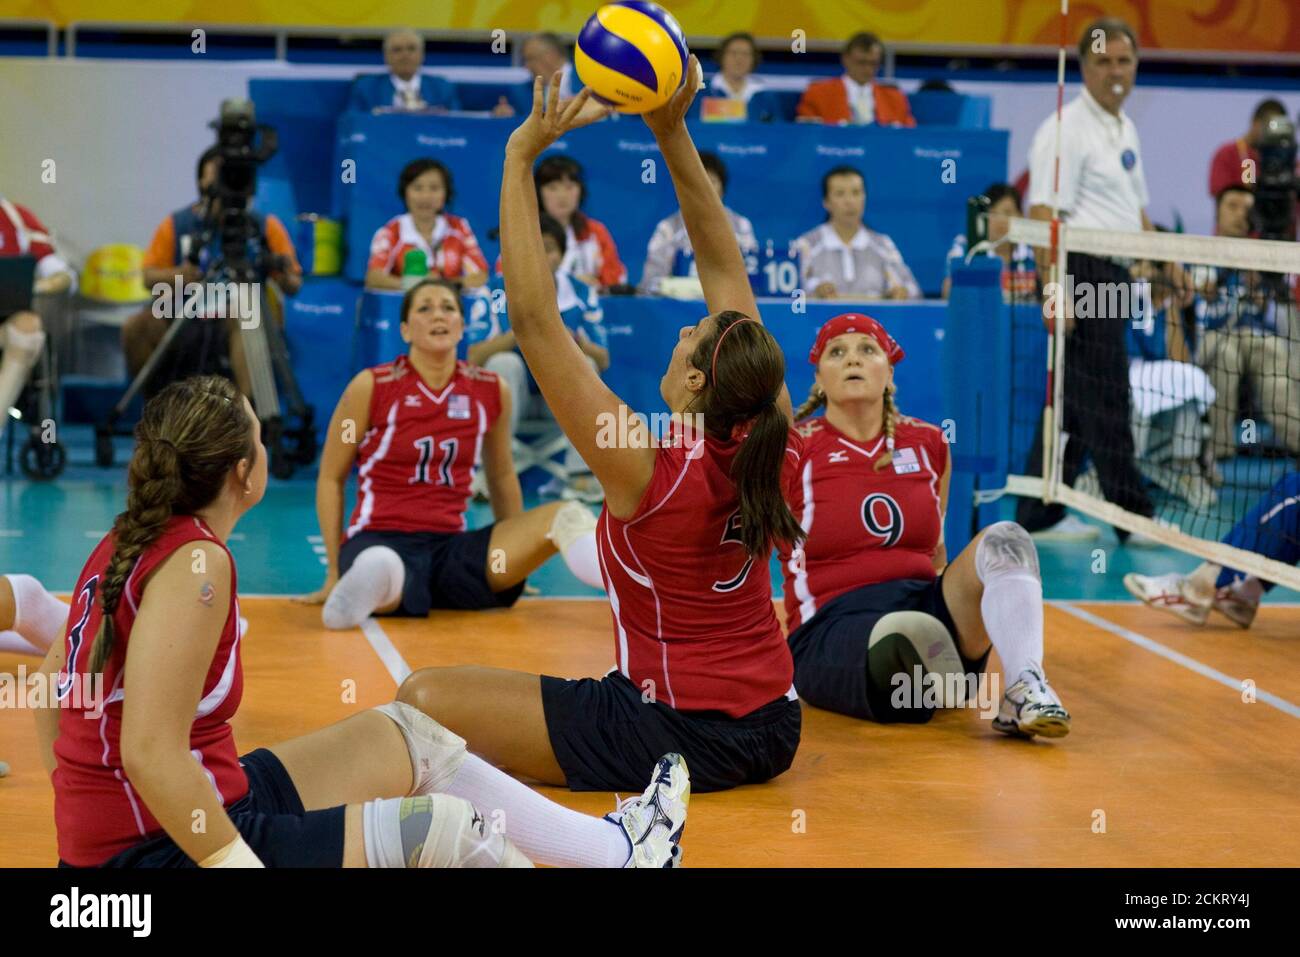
189	438
816	400
891	421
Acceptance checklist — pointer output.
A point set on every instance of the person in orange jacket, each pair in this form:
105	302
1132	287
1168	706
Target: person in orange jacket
856	97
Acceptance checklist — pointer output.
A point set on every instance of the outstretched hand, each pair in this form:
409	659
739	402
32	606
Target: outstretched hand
672	114
546	124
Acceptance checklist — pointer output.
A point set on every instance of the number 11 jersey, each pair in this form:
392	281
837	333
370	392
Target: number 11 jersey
418	457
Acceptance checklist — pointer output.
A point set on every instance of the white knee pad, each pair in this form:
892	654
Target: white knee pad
436	753
1006	549
936	647
434	830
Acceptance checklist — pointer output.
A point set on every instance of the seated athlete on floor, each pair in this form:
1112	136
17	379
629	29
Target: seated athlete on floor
701	666
155	611
871	594
416	426
1271	528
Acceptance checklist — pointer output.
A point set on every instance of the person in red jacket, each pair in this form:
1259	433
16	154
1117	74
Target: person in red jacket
1228	167
856	97
590	254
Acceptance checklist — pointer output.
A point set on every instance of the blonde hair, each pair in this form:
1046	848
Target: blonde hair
817	400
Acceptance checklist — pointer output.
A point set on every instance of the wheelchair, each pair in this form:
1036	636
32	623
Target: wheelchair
42	457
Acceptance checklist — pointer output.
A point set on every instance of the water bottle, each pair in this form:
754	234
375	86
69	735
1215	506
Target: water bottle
415	267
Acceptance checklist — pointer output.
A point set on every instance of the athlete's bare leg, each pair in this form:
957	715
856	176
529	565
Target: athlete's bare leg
498	713
519	546
962	592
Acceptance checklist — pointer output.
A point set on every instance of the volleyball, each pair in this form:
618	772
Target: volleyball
632	55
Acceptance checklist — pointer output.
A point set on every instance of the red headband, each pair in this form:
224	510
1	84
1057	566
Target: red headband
856	322
718	345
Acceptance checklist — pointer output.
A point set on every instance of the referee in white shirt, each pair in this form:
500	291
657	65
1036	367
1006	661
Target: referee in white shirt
1102	186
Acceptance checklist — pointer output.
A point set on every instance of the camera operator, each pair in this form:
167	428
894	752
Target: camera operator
179	251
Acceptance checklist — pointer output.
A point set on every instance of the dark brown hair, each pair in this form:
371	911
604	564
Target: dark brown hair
1109	27
190	436
740	36
750	374
408	300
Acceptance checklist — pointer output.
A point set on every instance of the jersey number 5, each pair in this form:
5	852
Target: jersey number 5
425	445
76	636
730	534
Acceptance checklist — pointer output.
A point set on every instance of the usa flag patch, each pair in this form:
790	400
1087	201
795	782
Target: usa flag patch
905	462
458	407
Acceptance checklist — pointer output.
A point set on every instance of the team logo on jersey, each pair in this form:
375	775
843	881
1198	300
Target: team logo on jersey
838	455
904	462
458	407
411	401
883	518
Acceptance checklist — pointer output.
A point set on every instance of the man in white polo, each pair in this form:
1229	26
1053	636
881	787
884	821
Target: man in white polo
1102	186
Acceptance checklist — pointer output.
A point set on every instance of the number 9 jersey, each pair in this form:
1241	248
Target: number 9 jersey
864	525
417	458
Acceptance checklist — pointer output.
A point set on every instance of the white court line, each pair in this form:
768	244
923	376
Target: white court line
1177	657
11	533
386	650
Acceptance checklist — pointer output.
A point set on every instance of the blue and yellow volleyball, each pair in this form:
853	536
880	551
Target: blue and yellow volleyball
632	54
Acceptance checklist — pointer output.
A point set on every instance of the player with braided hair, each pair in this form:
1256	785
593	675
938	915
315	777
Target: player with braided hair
155	612
872	603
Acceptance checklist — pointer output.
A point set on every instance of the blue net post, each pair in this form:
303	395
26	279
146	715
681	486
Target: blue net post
977	393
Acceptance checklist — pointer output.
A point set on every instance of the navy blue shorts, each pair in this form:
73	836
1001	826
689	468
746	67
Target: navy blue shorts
605	738
443	569
830	651
270	818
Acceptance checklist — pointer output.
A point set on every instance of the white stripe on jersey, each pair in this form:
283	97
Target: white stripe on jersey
614	605
659	618
198	756
117	772
807	601
934	487
213	699
693	454
419	384
367	485
478	451
857	448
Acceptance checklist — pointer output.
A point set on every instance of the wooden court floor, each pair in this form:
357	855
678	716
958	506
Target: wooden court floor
1166	766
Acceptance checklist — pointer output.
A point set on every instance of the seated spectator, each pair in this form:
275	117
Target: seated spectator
738	58
22	336
1244	326
183	247
856	97
669	252
1019	271
1229	165
492	346
842	258
450	249
1171	395
590	254
543	54
403	87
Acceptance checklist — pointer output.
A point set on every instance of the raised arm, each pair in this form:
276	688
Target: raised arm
577	397
718	259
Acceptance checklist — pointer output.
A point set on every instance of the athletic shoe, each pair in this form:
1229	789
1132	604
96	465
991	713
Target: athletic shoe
572	520
1192	488
1031	707
1240	610
1172	593
653	823
1088	482
1068	529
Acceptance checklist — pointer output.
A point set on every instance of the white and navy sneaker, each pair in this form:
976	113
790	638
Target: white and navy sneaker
1172	593
1031	707
653	823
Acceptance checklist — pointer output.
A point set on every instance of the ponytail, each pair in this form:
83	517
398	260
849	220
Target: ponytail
816	400
190	436
744	379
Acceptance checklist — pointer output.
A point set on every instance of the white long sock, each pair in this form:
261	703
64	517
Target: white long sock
21	350
13	643
38	616
1012	607
546	832
582	560
374	580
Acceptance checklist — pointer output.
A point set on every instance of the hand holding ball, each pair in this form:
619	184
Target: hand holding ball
632	54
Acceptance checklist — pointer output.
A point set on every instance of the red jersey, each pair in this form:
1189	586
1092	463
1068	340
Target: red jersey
693	616
863	526
21	233
96	811
454	252
418	457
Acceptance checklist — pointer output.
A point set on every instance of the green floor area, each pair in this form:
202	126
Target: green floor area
47	529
